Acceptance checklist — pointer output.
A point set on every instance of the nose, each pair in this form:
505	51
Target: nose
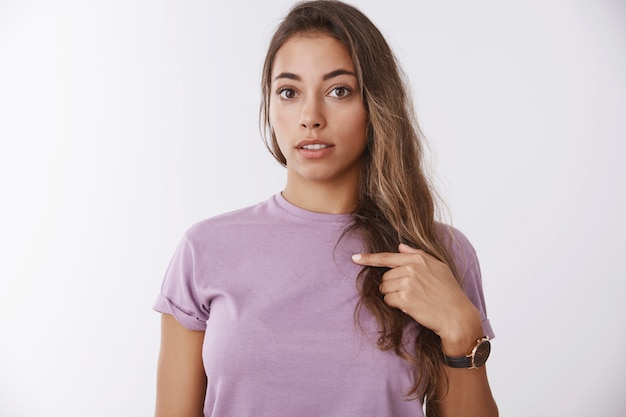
312	115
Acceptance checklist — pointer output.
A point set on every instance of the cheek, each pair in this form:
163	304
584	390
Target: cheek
364	122
278	125
278	118
359	123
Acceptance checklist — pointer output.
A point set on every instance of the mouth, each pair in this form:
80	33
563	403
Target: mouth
315	146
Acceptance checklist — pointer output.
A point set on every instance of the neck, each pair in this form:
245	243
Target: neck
322	198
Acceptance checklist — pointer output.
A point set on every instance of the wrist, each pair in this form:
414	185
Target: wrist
462	335
475	359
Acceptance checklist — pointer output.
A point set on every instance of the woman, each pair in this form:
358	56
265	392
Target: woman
340	296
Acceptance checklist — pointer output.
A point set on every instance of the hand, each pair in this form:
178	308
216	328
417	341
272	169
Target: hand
425	289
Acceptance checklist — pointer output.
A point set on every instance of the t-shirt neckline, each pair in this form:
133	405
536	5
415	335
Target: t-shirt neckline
308	214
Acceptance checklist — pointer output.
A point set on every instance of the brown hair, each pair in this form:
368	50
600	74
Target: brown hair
395	202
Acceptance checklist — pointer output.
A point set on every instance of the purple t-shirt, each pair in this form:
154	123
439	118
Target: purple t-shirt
274	288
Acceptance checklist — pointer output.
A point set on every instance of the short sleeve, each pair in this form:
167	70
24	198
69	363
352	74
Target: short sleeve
472	285
466	262
179	295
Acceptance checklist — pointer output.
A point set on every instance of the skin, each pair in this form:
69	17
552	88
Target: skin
425	289
316	101
181	381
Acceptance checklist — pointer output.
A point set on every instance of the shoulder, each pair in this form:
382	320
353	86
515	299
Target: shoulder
245	219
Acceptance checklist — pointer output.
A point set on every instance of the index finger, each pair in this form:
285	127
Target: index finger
388	259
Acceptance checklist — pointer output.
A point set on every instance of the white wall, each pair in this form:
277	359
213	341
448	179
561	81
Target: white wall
123	122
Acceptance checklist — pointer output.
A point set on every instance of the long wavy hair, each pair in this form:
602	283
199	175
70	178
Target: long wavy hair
395	202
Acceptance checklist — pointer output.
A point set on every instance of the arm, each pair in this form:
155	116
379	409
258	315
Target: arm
181	381
468	394
425	289
468	391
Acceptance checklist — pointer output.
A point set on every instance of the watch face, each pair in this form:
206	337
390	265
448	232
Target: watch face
482	353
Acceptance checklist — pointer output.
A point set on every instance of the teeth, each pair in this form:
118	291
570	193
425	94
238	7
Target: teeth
315	146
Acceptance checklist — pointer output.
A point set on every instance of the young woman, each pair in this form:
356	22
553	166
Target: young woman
341	296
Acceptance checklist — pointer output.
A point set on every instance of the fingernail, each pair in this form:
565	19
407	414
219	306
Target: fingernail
356	257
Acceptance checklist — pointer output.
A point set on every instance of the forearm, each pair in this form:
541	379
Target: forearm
465	392
468	394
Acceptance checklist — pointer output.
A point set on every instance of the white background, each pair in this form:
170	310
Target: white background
123	122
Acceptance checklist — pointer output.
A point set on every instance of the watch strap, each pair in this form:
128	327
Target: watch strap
458	361
468	361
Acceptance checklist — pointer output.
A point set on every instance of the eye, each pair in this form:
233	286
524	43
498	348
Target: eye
287	93
340	92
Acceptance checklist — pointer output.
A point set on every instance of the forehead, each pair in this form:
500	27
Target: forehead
311	54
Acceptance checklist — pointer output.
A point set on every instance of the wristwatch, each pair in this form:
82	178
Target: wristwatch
477	357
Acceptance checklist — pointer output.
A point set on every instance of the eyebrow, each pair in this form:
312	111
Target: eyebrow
332	74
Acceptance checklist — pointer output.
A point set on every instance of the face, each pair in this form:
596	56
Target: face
316	111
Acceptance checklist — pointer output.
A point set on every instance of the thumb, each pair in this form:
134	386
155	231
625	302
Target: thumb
404	248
